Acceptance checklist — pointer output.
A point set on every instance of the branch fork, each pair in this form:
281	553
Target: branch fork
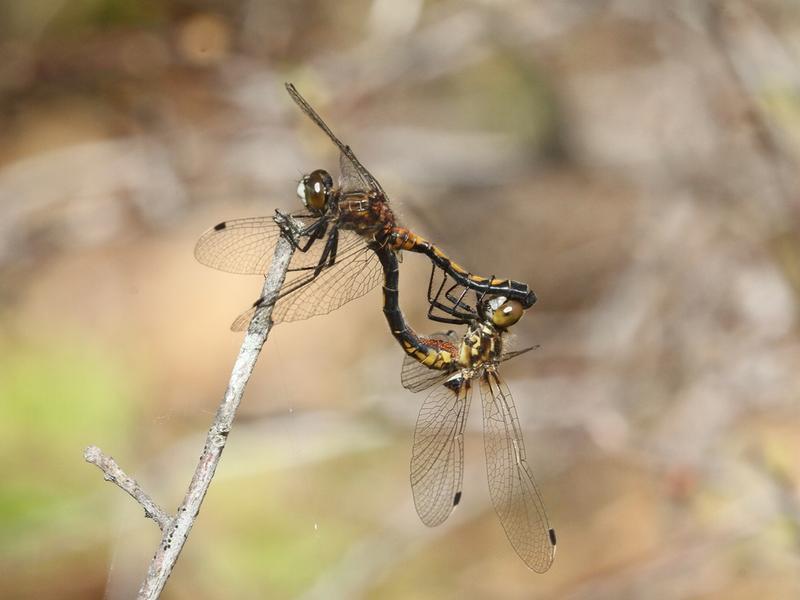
175	529
113	473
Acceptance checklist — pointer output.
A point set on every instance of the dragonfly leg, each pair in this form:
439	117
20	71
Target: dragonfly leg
459	302
326	259
434	303
448	320
431	296
295	233
456	317
329	252
334	249
483	292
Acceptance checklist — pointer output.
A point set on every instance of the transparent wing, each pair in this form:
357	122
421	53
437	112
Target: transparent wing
246	246
350	178
363	175
511	485
509	354
356	271
437	459
305	294
239	246
416	377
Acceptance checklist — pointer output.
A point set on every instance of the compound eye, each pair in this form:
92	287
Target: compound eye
316	188
507	314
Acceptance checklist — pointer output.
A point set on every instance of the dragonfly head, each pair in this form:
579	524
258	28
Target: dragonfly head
315	189
503	313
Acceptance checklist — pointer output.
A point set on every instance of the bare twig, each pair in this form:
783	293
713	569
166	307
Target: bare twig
177	529
175	536
113	473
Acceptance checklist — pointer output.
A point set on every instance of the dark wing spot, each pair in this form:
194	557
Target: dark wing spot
258	302
552	533
220	226
457	499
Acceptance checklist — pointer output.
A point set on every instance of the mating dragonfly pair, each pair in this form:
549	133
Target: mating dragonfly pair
346	241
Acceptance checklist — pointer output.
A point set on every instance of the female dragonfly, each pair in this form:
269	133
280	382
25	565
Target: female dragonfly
452	366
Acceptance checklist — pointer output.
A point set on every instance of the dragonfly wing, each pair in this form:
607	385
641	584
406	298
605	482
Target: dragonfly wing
246	246
243	320
239	246
437	459
416	377
509	354
306	294
350	178
511	484
368	181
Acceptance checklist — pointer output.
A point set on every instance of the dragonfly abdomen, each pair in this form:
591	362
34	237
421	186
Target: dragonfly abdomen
401	238
434	354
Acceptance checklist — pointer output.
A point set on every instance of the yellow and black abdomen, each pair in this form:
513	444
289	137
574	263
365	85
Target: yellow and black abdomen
401	238
434	354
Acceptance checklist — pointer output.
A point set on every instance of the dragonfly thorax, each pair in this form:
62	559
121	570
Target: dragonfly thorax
366	213
481	345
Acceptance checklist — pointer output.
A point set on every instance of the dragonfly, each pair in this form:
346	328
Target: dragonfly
333	236
452	365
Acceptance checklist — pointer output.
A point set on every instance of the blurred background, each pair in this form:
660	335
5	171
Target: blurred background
634	161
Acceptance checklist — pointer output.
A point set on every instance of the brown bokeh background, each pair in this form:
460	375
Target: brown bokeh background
634	161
